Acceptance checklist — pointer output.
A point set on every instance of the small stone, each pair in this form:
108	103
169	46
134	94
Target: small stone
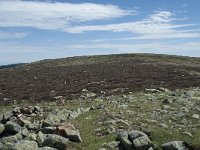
163	125
188	133
195	116
175	145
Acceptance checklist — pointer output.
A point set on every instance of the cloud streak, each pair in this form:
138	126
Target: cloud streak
157	26
54	16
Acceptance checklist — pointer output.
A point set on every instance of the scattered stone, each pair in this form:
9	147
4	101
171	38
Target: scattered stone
142	143
167	101
123	138
23	122
31	137
140	140
69	131
27	110
175	145
55	141
40	138
12	127
24	132
11	139
7	115
188	133
163	125
26	145
111	145
195	116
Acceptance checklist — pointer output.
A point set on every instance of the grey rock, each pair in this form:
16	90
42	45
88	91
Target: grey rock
37	109
27	110
16	111
31	137
40	138
7	115
1	128
12	127
55	141
48	130
111	145
135	134
24	123
142	143
1	146
24	132
123	138
175	145
139	140
9	139
69	131
26	145
195	116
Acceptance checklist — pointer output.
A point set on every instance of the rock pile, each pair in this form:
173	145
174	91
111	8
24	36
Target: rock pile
26	128
137	140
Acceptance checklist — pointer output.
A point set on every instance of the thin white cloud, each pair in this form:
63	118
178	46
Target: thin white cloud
9	35
157	26
54	16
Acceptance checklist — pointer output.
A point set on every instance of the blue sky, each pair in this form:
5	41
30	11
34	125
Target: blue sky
35	30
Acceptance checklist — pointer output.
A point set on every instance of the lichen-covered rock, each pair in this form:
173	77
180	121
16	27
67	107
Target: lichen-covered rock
12	127
123	138
40	138
142	143
139	140
31	137
24	132
176	145
135	134
26	145
9	139
55	141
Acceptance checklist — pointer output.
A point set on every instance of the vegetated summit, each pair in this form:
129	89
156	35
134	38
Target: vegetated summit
108	74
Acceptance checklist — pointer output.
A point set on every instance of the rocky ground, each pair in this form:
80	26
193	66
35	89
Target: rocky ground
152	119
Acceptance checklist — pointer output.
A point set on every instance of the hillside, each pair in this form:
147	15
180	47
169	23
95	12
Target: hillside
113	102
112	74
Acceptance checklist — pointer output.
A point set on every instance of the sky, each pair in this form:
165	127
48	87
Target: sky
32	30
